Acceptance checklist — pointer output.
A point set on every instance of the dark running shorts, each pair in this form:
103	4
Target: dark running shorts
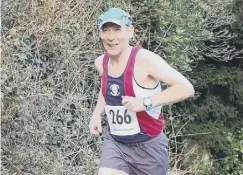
147	158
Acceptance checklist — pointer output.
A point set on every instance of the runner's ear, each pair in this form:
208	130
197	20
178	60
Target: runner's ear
130	32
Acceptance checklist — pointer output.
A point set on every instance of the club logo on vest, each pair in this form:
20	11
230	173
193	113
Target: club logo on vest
114	90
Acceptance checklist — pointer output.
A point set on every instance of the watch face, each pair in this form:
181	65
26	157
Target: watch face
147	101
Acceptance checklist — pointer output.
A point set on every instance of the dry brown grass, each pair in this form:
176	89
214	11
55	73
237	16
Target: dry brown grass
49	86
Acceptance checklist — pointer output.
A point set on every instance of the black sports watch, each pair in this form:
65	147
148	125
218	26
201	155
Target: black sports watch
147	102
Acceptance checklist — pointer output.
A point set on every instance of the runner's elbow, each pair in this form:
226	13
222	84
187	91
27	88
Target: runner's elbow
189	90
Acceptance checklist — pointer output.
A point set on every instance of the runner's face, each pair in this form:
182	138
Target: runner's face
115	38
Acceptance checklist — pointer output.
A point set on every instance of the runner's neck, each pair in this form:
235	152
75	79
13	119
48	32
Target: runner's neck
122	57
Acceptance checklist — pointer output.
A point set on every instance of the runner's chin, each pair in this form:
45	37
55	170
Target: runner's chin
113	51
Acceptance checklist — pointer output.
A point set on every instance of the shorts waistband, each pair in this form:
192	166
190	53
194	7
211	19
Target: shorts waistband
137	144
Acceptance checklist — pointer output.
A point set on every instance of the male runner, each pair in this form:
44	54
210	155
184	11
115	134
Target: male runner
131	95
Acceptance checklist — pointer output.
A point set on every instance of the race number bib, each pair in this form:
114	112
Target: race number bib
122	122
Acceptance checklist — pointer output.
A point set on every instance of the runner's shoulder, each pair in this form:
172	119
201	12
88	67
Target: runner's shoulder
148	57
99	63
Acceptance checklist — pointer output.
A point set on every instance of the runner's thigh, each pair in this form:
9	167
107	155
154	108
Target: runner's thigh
151	158
112	159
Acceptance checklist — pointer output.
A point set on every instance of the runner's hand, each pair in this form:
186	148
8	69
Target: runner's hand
133	104
95	125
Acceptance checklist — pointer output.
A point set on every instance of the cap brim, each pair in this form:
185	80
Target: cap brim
115	21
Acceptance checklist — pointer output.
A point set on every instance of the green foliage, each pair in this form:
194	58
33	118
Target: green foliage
171	31
226	80
216	110
238	11
234	159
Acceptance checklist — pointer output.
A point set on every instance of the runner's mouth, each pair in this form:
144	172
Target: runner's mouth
112	45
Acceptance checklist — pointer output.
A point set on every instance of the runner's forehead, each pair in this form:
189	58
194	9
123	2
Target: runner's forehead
110	24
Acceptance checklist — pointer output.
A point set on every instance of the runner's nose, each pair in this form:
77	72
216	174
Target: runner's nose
111	36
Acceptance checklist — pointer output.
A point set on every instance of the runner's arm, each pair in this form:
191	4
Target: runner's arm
101	101
99	105
179	87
